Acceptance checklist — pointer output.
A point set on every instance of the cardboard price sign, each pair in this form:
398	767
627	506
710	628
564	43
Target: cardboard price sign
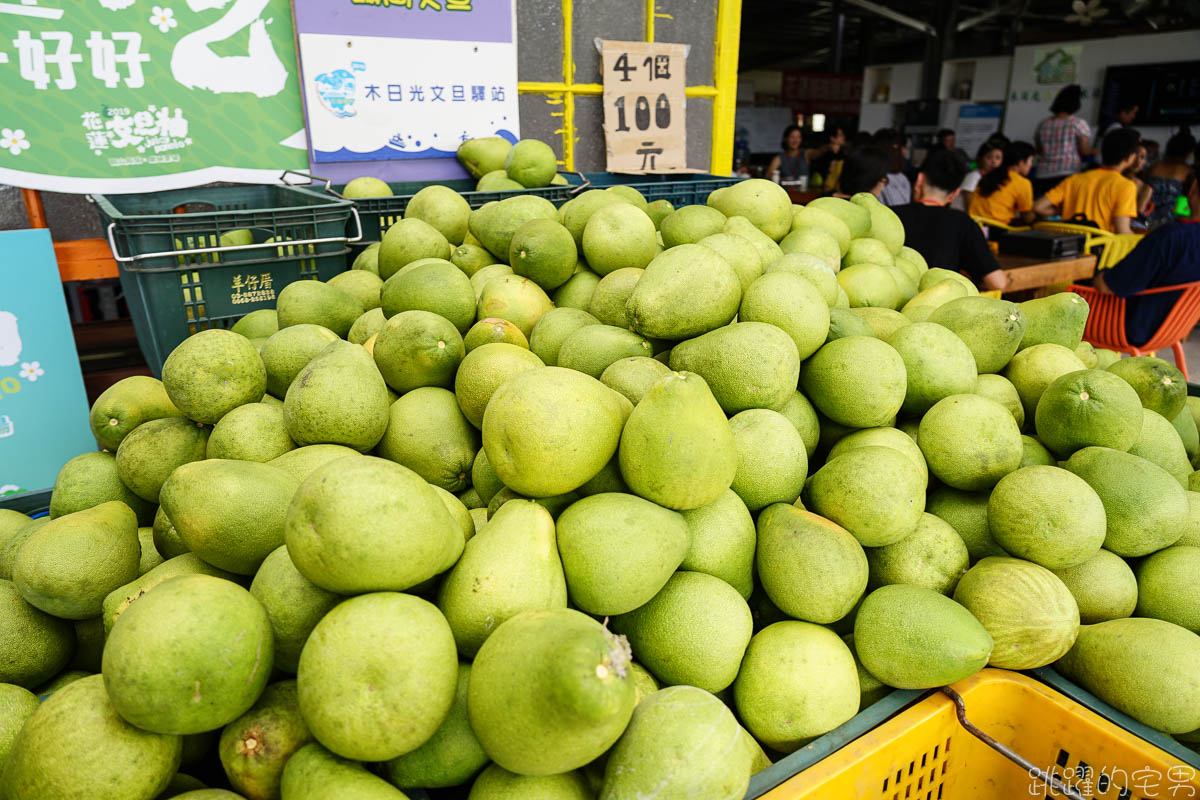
645	106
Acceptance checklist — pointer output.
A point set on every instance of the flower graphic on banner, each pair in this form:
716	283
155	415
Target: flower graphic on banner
31	370
116	5
164	18
13	141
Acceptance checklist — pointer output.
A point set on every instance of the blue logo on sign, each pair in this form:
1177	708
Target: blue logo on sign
336	91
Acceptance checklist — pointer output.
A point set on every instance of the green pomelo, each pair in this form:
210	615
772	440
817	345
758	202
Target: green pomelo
338	398
1159	443
970	442
610	299
443	208
1160	386
510	297
633	376
89	479
677	448
1167	587
885	225
798	681
491	331
810	567
857	218
511	566
722	542
293	603
366	524
772	458
844	323
933	556
303	461
255	746
192	655
1001	389
768	250
36	645
314	773
746	365
764	203
552	330
214	371
450	757
1048	516
549	429
483	371
1104	587
402	649
882	321
922	305
1033	369
253	432
813	270
363	286
497	783
575	213
126	404
690	224
67	566
148	455
717	618
992	328
1058	318
118	600
592	348
76	747
310	302
618	236
288	352
577	291
938	364
881	437
681	743
550	691
531	163
437	287
428	434
870	286
858	381
409	240
366	186
543	251
800	412
483	155
471	258
1088	408
684	292
910	637
1146	508
876	493
257	324
814	217
793	304
1147	668
739	253
1031	615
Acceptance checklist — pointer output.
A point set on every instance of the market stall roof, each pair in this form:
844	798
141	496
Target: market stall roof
799	34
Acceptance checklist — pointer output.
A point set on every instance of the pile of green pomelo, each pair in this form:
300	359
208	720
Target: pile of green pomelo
612	500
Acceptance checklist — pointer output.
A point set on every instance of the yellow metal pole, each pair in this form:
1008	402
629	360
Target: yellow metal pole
568	97
650	20
729	16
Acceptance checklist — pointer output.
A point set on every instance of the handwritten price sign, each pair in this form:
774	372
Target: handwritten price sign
644	106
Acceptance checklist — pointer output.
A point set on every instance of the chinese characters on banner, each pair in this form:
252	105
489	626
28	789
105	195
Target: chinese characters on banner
645	106
405	79
133	95
820	93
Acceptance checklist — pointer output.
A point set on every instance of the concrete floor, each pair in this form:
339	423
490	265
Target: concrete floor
1191	351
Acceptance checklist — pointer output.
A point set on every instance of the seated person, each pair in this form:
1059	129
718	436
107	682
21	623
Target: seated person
1005	194
945	236
1169	255
1103	196
864	170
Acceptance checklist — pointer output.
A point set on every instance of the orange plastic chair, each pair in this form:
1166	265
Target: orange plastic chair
1106	321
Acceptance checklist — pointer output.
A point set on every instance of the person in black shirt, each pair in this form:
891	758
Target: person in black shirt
945	236
864	170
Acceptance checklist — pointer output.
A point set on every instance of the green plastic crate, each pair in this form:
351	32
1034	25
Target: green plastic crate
380	213
177	277
34	504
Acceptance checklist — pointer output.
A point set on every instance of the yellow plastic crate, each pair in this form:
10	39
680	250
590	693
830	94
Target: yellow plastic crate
924	753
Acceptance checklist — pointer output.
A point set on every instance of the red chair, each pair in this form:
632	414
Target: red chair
1106	321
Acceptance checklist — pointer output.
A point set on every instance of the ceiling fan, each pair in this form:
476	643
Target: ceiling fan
1085	13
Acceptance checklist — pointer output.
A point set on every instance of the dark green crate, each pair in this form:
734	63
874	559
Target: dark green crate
31	503
380	213
172	296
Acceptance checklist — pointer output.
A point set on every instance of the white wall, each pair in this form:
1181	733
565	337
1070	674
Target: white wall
1029	101
763	127
904	83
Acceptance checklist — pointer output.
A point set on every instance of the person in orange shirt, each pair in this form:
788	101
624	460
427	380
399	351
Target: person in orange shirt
1005	194
1103	196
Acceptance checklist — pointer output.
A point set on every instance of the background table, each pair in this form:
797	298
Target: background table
1033	273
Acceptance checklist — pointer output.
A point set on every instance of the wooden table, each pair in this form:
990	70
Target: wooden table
1033	273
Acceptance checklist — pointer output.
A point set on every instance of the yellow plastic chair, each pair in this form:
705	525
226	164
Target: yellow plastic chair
984	223
1119	247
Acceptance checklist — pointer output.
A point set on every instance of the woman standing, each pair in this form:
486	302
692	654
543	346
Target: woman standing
792	163
1005	194
1165	178
1062	140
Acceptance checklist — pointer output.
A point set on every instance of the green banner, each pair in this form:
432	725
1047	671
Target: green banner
132	95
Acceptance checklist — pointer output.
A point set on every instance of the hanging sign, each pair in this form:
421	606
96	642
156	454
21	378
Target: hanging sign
142	95
43	407
645	106
405	79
